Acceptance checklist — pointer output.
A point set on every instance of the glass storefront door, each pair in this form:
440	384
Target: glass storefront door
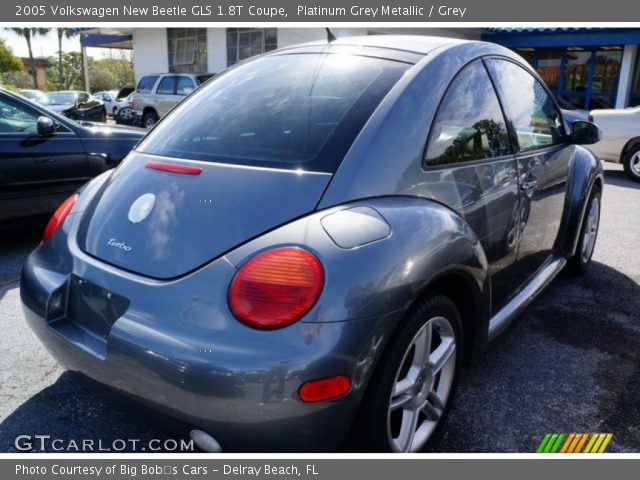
586	77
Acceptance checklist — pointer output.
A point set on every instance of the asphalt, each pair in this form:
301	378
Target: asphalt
570	363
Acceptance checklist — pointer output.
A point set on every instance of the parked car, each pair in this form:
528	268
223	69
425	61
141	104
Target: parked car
125	114
114	99
571	113
156	94
336	227
33	95
44	157
74	104
620	138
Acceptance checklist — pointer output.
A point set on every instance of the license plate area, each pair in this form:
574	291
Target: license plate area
89	313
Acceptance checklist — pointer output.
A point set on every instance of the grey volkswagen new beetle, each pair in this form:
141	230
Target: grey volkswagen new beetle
303	253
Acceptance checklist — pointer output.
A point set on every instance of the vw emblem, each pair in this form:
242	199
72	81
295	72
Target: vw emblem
141	208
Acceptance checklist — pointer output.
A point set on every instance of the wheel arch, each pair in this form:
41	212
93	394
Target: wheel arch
585	173
472	304
635	141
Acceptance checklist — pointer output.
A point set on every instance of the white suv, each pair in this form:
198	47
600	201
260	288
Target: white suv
156	94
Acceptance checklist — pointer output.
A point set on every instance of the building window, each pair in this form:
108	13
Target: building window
586	77
187	49
634	100
243	43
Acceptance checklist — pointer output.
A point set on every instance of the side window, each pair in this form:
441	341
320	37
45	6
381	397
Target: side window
185	86
530	110
16	119
145	85
469	124
167	86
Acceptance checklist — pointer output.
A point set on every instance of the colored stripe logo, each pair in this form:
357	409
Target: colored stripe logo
574	443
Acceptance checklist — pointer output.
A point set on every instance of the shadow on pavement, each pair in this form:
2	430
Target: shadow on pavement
569	363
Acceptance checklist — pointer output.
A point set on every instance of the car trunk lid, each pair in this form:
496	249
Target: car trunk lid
163	217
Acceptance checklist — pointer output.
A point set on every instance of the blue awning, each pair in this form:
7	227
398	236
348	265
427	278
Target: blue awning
561	37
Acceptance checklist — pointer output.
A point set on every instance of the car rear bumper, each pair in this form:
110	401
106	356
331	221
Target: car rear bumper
238	384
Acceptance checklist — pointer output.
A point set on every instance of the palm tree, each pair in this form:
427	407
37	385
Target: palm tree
67	33
28	34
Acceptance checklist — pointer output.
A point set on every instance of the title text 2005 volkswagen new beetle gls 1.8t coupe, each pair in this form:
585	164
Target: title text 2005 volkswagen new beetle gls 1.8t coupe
303	253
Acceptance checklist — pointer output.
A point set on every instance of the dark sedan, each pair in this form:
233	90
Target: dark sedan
75	104
44	157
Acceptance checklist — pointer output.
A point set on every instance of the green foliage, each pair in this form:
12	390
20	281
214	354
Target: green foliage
15	80
71	71
9	62
28	33
110	73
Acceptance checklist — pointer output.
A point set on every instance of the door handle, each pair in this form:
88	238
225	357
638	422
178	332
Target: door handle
46	160
528	183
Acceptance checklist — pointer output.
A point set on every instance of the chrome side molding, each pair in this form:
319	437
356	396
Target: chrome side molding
506	314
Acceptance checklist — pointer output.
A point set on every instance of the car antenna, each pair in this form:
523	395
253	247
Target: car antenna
330	36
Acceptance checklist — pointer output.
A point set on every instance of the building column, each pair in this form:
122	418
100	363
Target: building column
626	75
85	68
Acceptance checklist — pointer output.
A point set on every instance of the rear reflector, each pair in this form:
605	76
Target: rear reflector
58	217
173	168
325	388
276	287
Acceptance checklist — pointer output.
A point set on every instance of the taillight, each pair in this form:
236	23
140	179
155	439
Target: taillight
58	216
590	118
325	388
276	287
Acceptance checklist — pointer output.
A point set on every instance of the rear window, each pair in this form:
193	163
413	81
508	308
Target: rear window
284	111
146	84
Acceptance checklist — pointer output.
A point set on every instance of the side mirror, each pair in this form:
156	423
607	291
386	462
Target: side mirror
46	126
585	133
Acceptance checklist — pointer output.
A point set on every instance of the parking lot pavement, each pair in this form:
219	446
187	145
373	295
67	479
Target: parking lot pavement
570	363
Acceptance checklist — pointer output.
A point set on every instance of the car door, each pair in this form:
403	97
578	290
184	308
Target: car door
36	172
469	166
543	156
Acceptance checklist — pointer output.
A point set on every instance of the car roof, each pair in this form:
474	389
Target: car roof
421	44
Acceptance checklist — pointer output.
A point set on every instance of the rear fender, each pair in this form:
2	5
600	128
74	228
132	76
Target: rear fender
387	270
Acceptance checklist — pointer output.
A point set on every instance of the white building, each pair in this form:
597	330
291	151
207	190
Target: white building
588	67
211	50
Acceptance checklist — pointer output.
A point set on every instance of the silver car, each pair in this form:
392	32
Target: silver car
620	138
303	253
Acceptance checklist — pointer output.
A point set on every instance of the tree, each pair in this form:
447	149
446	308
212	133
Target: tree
8	61
71	71
15	80
28	34
67	33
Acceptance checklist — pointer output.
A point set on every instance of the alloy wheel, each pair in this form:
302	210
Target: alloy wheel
591	229
422	386
634	164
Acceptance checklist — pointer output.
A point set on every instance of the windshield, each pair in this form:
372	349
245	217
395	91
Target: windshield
285	111
31	94
58	98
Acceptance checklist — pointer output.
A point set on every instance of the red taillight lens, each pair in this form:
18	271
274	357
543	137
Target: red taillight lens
58	216
325	388
276	288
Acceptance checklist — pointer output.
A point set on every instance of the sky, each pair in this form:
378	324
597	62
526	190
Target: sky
48	45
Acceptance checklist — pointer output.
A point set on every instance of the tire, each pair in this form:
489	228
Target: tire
124	116
631	163
580	262
103	116
378	426
149	119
